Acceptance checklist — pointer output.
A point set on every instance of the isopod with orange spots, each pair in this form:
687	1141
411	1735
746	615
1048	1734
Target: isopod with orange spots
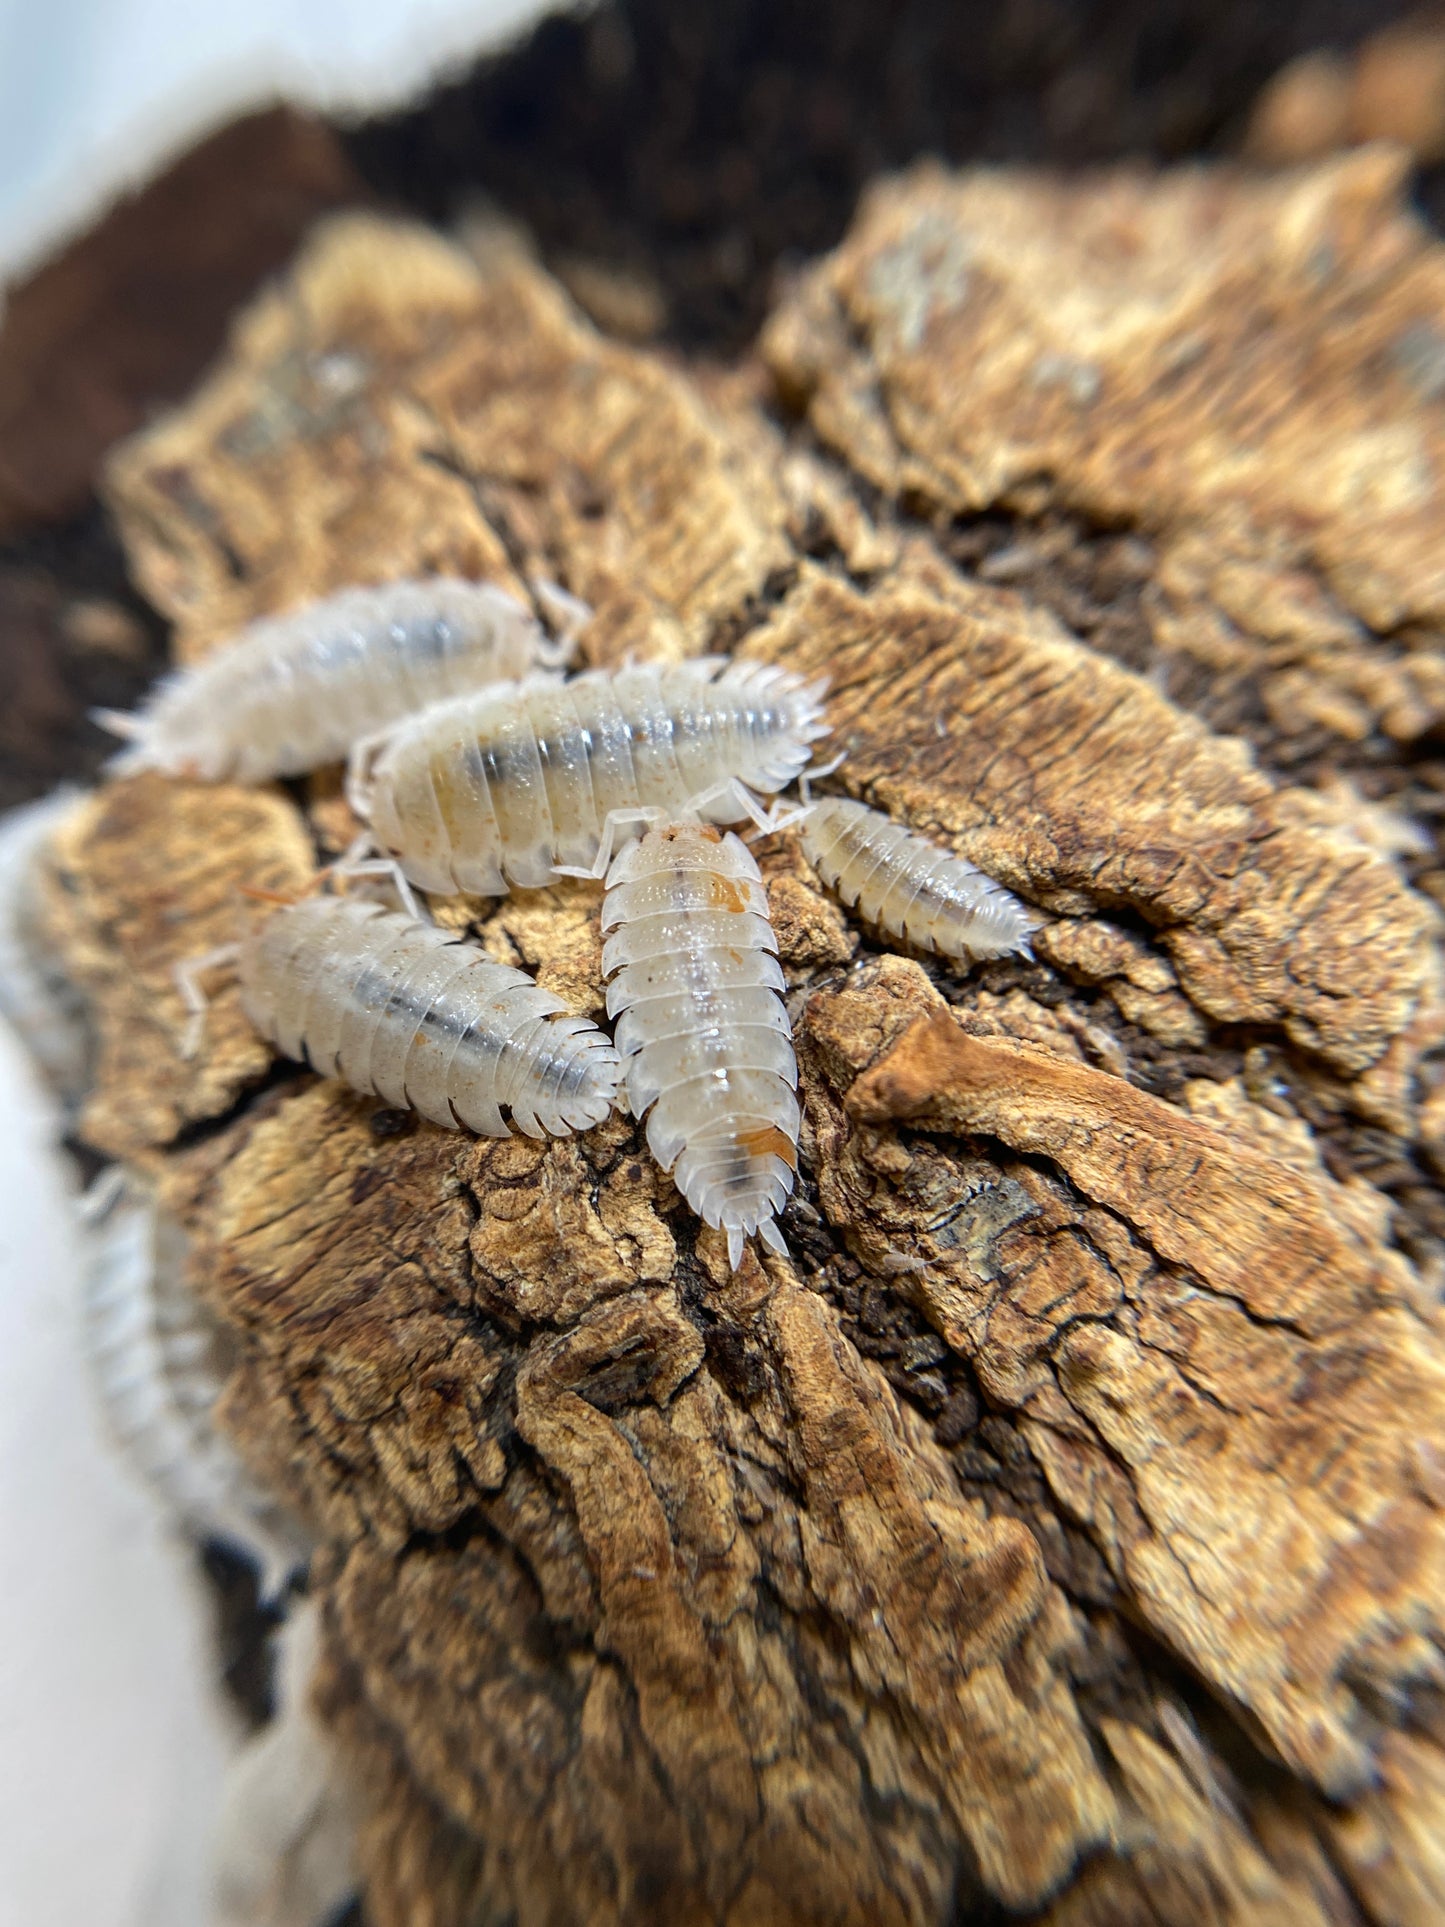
702	1030
525	782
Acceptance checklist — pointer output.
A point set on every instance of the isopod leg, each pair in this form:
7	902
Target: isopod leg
186	977
773	1238
780	816
359	780
614	819
568	614
777	816
354	862
806	777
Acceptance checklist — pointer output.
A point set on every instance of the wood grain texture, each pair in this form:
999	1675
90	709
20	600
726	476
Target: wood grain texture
1059	1529
435	411
1247	369
1073	781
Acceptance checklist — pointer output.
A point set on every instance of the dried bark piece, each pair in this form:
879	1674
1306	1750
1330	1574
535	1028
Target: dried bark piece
1303	112
1074	782
654	1592
1291	1549
1235	362
1391	89
399	401
1246	618
1141	983
377	1367
554	934
146	875
1196	1858
1393	1842
339	1258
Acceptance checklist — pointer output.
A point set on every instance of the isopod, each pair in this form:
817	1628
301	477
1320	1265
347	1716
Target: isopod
909	887
47	1012
159	1363
294	691
520	783
423	1018
702	1030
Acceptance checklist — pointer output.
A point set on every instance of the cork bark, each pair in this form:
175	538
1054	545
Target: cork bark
1058	1531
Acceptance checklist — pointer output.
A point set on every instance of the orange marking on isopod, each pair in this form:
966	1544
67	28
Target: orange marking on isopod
724	894
768	1141
701	1025
258	895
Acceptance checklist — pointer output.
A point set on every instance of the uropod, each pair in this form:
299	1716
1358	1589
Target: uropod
294	691
701	1026
524	783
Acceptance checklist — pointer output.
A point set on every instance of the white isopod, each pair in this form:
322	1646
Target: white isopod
703	1032
909	887
423	1018
159	1363
298	690
520	783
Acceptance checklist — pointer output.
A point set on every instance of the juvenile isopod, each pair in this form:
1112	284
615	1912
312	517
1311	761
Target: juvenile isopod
910	888
295	691
519	783
159	1363
704	1036
423	1018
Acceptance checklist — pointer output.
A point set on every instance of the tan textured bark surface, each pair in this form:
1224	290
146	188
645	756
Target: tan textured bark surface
1060	1528
1246	370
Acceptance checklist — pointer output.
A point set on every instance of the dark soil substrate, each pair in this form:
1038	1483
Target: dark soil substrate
711	143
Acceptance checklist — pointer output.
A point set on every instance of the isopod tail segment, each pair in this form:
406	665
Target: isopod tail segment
134	731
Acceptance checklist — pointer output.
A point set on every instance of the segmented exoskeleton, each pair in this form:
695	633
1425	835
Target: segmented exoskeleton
519	783
423	1018
704	1036
295	691
909	887
159	1363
